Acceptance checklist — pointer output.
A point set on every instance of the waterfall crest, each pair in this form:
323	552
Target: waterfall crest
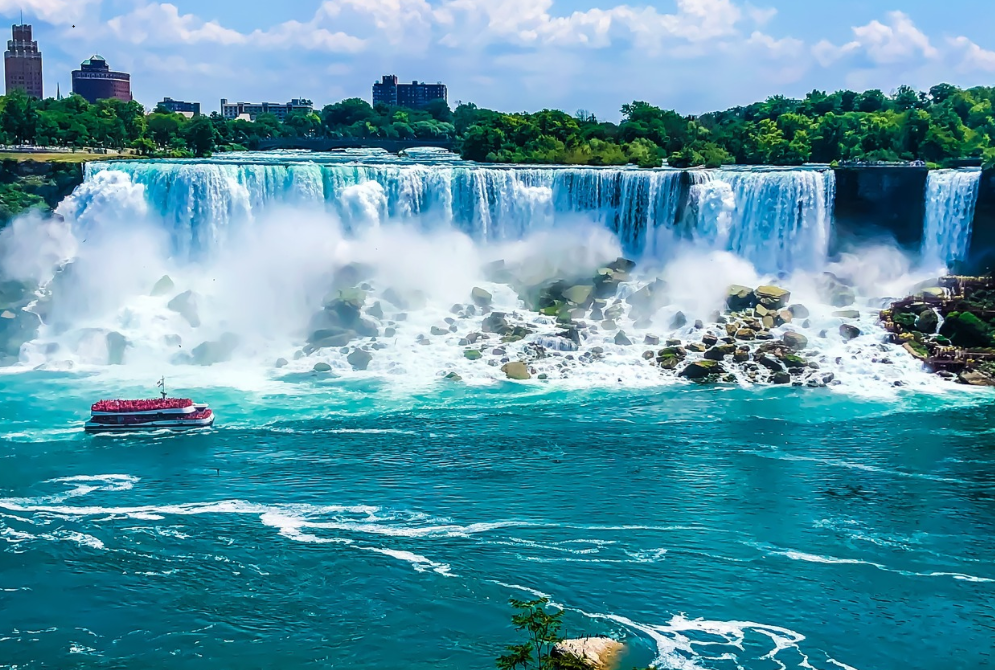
951	197
780	220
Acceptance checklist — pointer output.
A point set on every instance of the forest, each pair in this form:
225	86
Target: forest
943	126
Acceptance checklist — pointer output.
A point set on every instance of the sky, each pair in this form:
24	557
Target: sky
517	55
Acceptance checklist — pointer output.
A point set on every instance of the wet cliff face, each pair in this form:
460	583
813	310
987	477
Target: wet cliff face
880	203
982	250
27	185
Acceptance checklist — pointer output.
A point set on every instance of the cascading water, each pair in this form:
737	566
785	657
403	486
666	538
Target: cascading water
951	197
777	219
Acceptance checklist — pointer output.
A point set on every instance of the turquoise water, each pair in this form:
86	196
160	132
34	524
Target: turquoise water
352	524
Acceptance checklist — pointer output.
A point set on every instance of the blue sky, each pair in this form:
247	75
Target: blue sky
691	55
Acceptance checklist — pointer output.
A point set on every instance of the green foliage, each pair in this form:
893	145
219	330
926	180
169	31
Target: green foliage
966	330
542	633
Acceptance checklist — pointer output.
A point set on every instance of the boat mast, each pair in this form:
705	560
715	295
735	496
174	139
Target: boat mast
162	385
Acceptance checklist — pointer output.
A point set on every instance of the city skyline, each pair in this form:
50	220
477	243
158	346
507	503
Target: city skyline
692	55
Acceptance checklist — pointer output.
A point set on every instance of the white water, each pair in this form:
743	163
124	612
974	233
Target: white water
951	197
260	244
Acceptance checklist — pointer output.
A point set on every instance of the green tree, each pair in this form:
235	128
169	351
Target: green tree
200	136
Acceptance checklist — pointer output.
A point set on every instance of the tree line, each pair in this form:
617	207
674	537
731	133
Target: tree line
941	126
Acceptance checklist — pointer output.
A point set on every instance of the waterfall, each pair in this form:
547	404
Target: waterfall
951	196
778	219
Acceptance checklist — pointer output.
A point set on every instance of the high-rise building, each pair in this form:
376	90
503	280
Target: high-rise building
22	63
94	80
281	110
415	95
180	107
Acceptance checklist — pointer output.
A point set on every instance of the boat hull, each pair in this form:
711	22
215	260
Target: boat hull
150	427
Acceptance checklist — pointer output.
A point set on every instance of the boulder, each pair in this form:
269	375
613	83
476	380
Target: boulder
359	359
720	352
975	378
781	378
163	287
649	299
621	340
453	377
770	363
848	332
742	355
597	653
352	274
679	321
651	340
915	351
281	363
579	295
740	298
795	341
772	297
472	355
185	304
516	370
702	369
933	292
322	367
614	312
622	265
496	322
219	351
481	298
745	334
437	331
847	314
116	346
841	296
608	324
784	316
329	339
927	322
799	311
376	311
964	329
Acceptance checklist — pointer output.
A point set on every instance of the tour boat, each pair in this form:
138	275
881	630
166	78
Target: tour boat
128	416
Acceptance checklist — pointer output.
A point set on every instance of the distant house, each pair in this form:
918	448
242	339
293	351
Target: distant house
180	107
281	110
415	95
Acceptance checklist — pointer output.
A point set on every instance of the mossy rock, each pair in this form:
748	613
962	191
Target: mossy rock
472	355
966	330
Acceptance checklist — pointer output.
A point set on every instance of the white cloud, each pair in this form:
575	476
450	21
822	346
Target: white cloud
973	57
897	41
163	23
56	12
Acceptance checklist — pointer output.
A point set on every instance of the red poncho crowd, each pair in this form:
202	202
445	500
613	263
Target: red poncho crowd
141	405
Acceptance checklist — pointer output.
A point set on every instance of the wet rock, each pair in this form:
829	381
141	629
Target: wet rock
740	297
784	316
389	332
219	351
163	287
472	355
746	334
517	371
496	322
185	304
614	313
698	325
322	367
709	339
781	378
679	321
359	359
470	311
116	346
770	363
648	355
596	653
799	311
651	340
772	297
453	377
329	339
696	347
795	341
281	363
621	340
847	314
481	298
298	355
966	330
579	295
975	378
648	300
917	351
439	331
543	377
423	340
849	332
702	370
768	322
932	292
376	311
608	324
927	322
842	296
742	355
720	352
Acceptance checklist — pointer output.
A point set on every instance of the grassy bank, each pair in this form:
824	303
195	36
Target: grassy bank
29	182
